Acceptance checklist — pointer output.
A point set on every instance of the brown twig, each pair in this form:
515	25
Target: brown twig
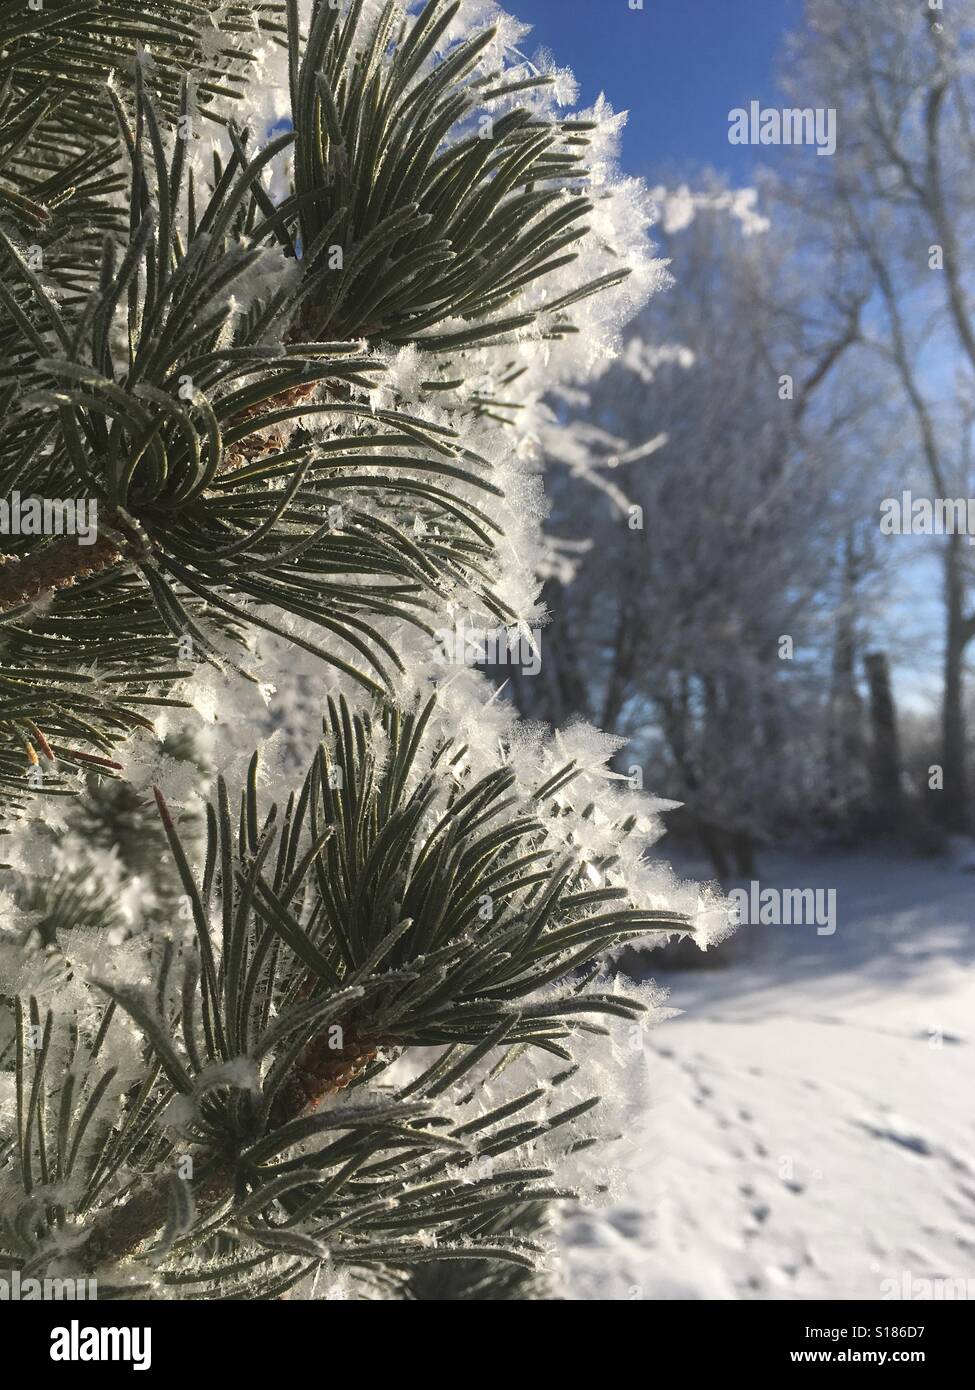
55	567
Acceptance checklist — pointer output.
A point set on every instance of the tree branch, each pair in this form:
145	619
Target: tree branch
57	566
320	1071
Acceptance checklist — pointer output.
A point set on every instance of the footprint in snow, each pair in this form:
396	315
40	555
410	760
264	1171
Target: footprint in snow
628	1221
912	1142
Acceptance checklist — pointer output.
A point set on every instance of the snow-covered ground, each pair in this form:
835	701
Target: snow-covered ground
812	1116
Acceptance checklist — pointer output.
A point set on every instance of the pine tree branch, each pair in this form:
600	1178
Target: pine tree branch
64	562
128	1227
230	483
545	930
319	1073
413	899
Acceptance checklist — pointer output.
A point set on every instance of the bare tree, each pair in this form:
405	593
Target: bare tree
703	621
898	196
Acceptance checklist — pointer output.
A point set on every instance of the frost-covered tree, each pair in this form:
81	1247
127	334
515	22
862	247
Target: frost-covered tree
302	934
895	207
705	600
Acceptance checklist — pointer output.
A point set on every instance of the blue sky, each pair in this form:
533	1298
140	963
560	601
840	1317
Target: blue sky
678	67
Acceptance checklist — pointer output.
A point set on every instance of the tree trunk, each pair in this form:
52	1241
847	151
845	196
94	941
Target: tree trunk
954	799
845	753
885	759
744	846
712	842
